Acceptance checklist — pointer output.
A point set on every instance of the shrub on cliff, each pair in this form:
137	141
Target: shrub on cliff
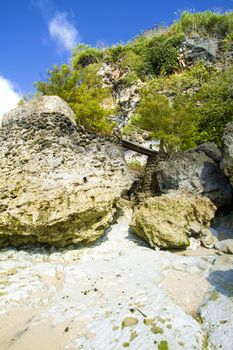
205	24
191	117
212	107
162	55
156	115
82	90
83	55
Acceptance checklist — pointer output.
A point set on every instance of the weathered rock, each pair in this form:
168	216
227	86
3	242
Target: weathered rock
207	238
126	97
165	221
196	170
227	159
225	246
223	224
42	104
58	184
211	150
199	49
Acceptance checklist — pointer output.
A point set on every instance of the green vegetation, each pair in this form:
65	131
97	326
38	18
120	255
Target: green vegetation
206	24
182	106
81	89
147	57
137	166
156	330
193	117
212	107
163	345
83	55
156	115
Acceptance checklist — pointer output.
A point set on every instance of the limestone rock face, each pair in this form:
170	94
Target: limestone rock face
197	49
58	184
227	159
167	221
127	97
42	104
197	170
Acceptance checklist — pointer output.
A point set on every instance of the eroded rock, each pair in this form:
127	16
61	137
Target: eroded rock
227	159
207	238
195	170
58	184
225	246
42	104
166	221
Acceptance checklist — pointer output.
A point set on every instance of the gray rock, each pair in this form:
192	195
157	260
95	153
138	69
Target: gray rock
127	97
49	104
225	246
211	150
207	238
199	49
223	224
227	159
58	184
193	170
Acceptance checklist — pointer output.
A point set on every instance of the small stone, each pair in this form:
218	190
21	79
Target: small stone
133	335
194	243
129	321
149	321
156	330
125	344
207	238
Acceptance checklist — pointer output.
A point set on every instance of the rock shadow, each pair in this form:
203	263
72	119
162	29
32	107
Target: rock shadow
216	185
137	240
222	281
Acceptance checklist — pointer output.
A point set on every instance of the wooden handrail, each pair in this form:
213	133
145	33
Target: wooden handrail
139	149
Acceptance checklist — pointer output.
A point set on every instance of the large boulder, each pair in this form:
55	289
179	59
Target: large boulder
227	159
41	104
167	221
197	170
58	184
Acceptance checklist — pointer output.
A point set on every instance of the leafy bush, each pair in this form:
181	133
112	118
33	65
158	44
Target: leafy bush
114	53
156	115
212	107
82	90
188	80
83	55
191	118
163	56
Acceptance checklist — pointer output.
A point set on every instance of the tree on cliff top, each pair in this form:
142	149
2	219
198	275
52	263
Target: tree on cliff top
81	89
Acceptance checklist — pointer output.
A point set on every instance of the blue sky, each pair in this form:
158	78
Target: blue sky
36	34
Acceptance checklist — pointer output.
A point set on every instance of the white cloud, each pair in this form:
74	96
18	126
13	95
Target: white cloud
63	31
9	97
